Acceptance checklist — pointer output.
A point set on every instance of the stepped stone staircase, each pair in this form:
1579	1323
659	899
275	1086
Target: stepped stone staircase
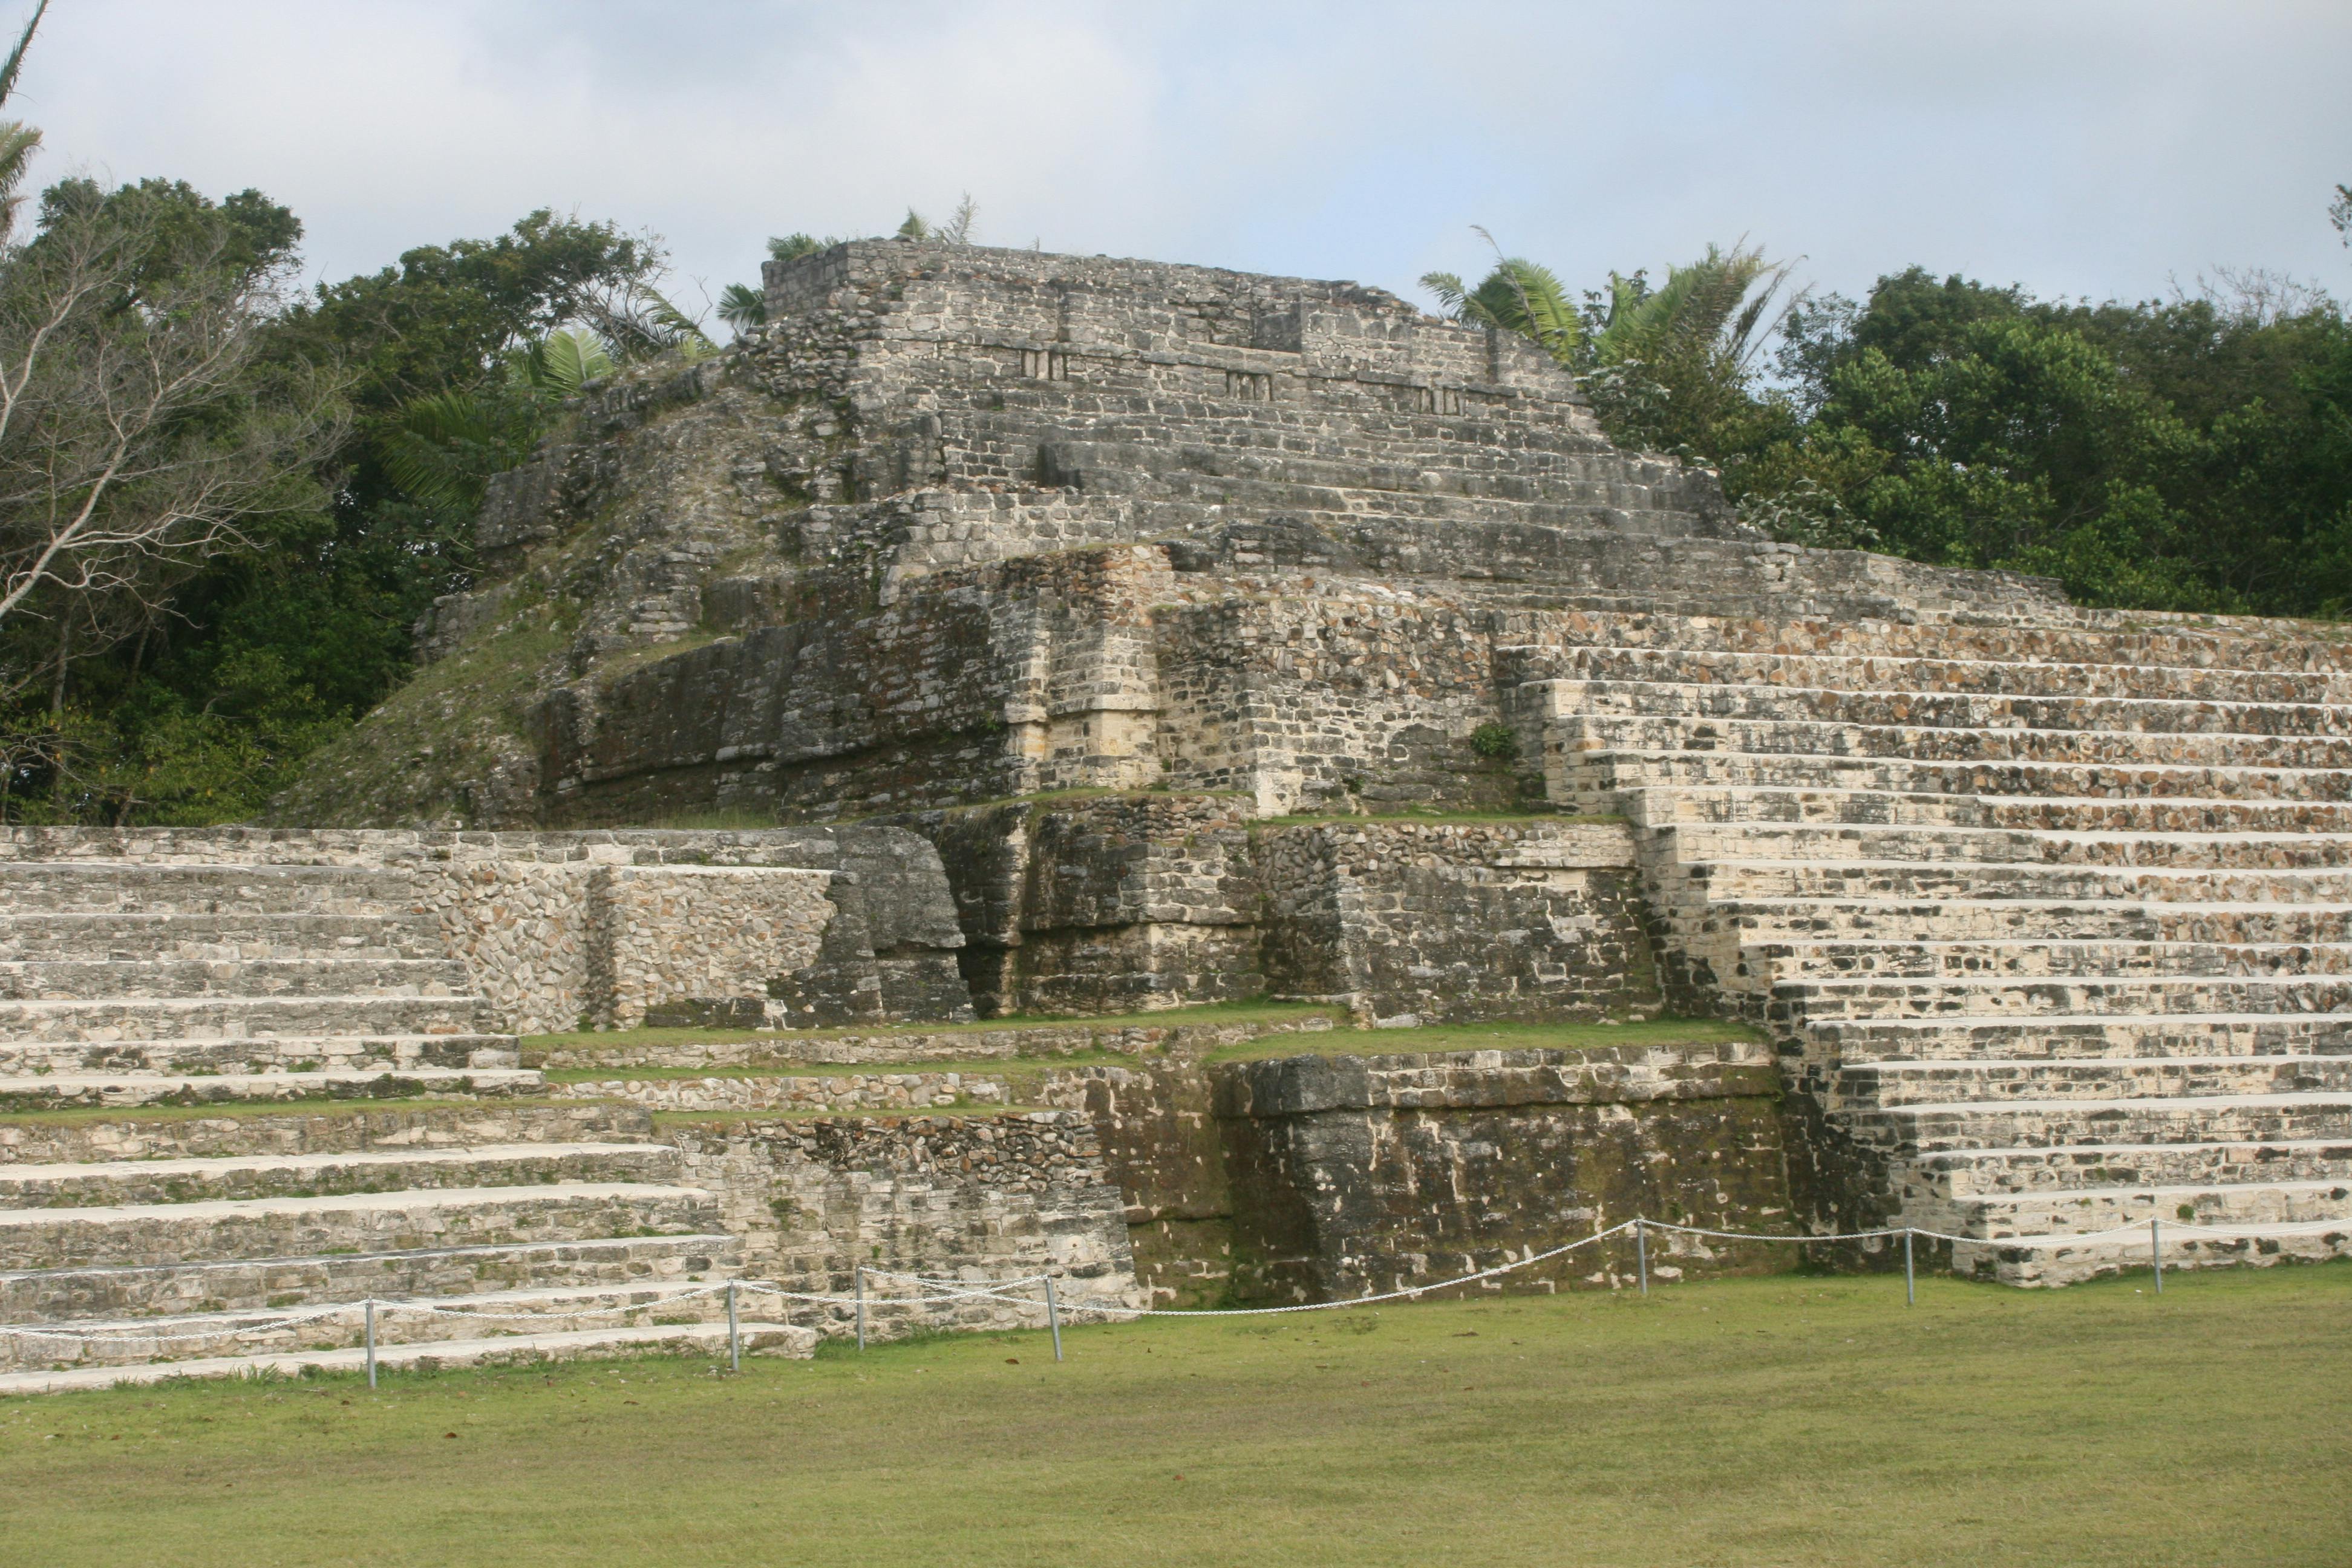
162	1244
2054	923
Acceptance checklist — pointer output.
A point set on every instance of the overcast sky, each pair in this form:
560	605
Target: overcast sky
2077	146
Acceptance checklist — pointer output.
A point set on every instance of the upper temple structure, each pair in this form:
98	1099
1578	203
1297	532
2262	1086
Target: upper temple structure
996	634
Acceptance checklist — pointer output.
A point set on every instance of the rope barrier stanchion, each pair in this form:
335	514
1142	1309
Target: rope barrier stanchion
861	1306
1054	1317
1642	1251
371	1341
734	1332
2156	1251
1910	1286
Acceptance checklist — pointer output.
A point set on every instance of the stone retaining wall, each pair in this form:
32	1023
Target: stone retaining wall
795	926
983	1197
1358	1175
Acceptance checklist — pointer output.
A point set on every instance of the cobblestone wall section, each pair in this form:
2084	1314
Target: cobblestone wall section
684	934
840	1091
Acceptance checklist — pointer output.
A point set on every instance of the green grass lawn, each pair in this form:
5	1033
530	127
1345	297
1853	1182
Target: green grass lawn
1778	1421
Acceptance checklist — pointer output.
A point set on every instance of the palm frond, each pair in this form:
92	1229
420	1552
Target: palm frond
15	62
563	363
792	246
441	450
18	142
957	230
742	307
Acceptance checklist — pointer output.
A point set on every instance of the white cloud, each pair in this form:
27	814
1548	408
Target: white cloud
2094	147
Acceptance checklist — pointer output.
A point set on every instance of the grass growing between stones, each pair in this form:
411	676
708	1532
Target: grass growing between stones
1210	1015
1755	1422
1489	1037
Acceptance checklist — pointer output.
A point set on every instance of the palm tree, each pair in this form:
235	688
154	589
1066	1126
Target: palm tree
17	139
443	448
1713	307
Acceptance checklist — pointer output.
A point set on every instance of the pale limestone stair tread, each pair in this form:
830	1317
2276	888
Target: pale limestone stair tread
2188	1236
588	1247
87	1341
760	1338
2164	1200
2283	1146
128	1088
66	1005
15	1178
2288	1099
402	1200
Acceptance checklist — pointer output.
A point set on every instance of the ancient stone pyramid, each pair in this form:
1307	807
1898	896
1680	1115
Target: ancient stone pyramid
2043	907
1108	636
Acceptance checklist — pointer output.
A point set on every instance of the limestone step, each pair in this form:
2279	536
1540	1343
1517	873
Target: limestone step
1927	743
28	935
2306	1241
118	979
2046	634
2002	846
241	1178
153	1235
1764	921
1695	701
1608	772
281	1284
187	1018
2043	1037
119	886
2072	1171
1918	882
706	1339
2114	677
240	1055
2223	1204
130	1342
125	1090
1866	1086
1963	1001
346	1127
1758	804
2041	958
1935	1128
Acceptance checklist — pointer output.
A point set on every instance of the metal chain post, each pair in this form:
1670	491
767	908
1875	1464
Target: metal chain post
1642	1251
734	1332
1910	1289
371	1341
2156	1251
1054	1317
861	1306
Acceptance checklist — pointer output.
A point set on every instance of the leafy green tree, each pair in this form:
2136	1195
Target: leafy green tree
1663	366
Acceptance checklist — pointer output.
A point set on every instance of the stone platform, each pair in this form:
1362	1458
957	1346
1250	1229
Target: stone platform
1225	634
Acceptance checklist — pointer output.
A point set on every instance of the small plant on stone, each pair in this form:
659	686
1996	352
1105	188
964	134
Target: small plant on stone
1496	743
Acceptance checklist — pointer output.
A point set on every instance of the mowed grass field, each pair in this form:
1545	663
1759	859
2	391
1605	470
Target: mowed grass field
1788	1420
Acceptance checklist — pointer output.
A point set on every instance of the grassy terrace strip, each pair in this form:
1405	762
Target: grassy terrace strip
1490	1036
535	1047
1753	1422
1434	818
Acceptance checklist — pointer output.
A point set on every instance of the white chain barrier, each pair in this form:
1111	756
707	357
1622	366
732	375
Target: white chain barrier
938	1290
